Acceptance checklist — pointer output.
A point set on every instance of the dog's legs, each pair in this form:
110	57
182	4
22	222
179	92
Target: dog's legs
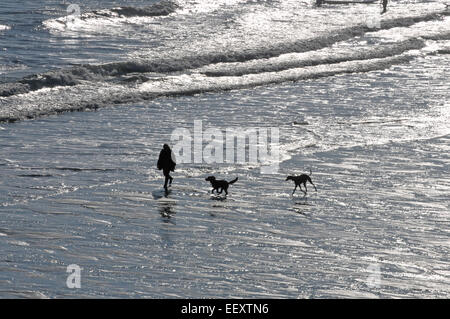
294	189
212	191
300	186
310	180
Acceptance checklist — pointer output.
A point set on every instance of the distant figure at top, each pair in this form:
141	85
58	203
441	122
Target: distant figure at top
319	3
166	163
385	2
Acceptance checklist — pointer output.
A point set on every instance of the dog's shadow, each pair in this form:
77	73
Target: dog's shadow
220	203
218	197
303	202
299	207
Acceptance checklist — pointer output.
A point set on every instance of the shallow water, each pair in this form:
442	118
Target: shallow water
82	187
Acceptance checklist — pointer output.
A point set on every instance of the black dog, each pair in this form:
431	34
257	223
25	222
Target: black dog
302	179
222	184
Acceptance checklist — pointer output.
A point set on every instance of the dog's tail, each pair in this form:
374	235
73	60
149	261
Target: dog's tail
233	181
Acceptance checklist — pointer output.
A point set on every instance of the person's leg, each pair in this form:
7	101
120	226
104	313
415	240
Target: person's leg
167	176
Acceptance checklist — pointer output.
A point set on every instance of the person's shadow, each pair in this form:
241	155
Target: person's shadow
167	212
158	194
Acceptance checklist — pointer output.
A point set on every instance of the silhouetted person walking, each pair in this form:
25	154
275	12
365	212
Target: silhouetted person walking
166	163
385	2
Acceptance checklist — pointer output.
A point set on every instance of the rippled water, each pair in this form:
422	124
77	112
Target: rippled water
366	109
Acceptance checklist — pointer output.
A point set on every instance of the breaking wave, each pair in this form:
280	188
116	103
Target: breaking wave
162	8
172	73
170	64
86	97
77	20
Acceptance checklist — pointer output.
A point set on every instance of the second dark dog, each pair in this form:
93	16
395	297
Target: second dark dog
222	184
299	180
